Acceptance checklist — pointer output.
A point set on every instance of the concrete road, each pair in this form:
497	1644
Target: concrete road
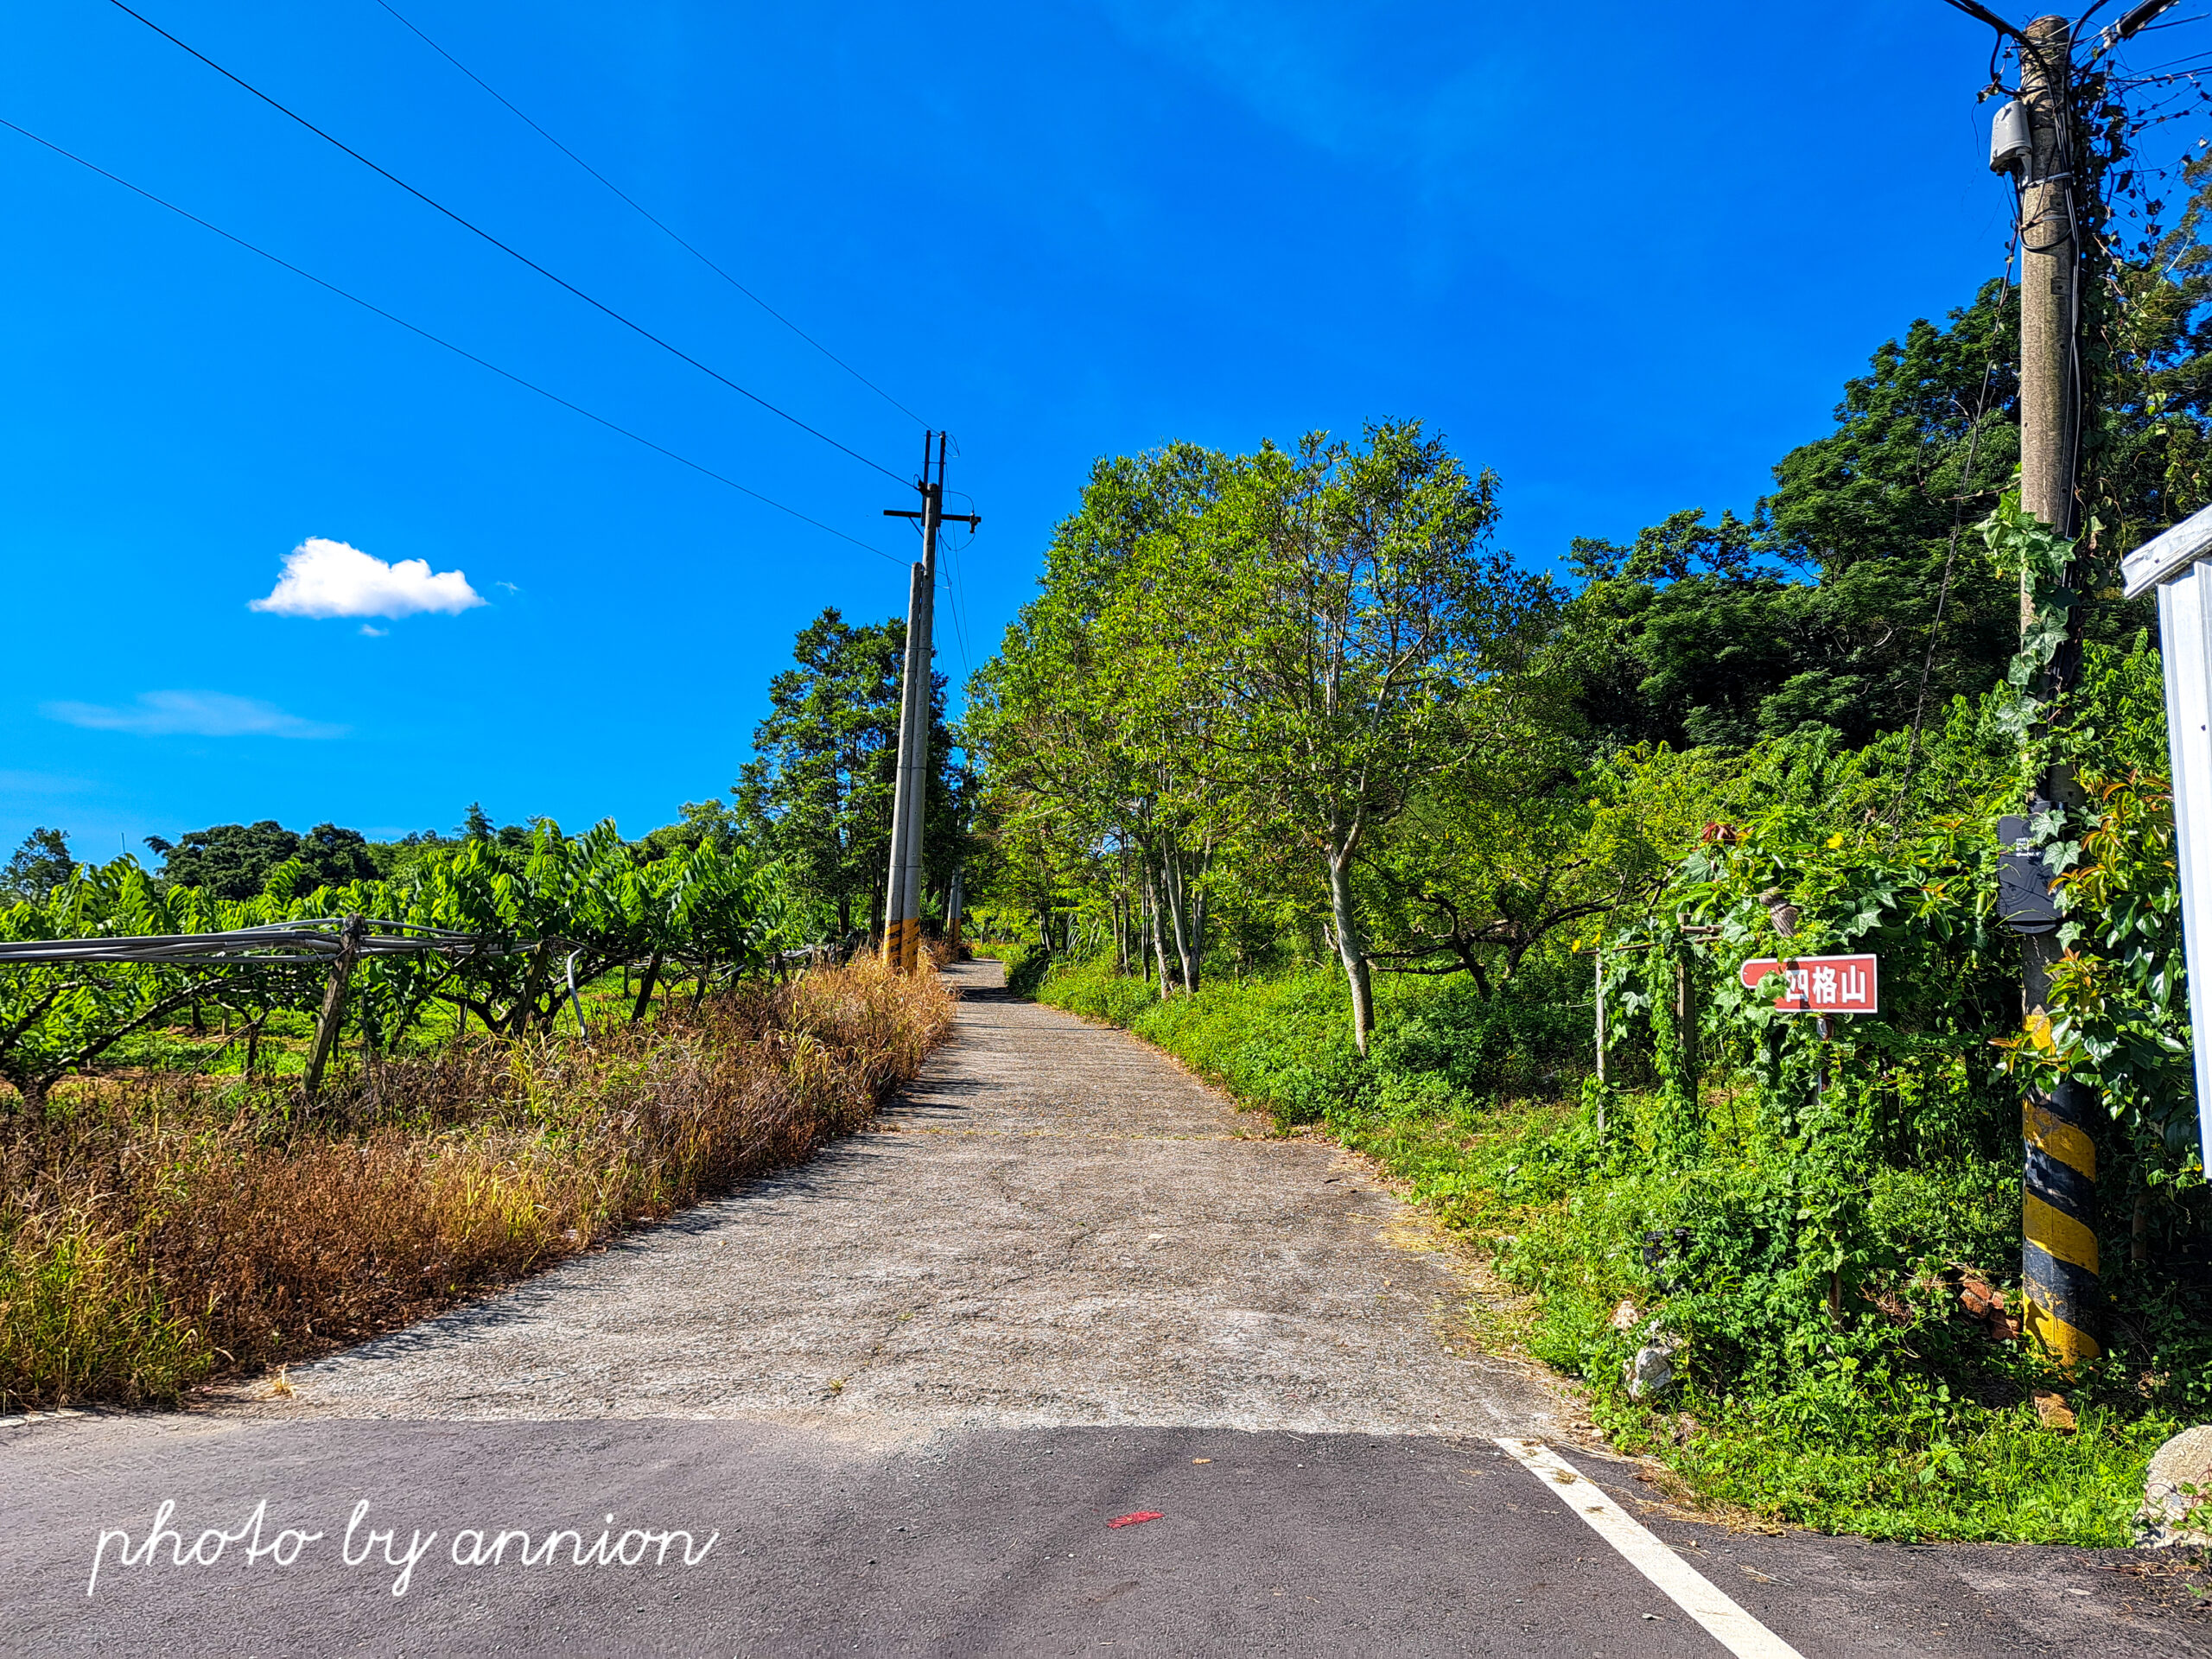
893	1402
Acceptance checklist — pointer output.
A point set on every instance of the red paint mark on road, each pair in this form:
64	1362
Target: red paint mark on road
1136	1519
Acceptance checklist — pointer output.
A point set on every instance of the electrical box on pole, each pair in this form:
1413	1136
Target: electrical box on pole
2009	143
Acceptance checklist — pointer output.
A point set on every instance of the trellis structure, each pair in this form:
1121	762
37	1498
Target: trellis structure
339	942
320	939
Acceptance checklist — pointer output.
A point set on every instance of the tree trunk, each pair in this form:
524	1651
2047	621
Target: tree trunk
334	1004
1199	929
1351	947
1160	937
646	989
518	1020
1178	915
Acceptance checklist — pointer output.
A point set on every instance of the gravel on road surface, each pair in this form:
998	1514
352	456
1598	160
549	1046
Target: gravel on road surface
1055	1225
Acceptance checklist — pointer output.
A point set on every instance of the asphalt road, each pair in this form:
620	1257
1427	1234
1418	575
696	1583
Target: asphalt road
891	1403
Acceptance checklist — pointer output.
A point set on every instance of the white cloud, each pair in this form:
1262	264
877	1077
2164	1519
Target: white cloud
324	578
370	630
190	714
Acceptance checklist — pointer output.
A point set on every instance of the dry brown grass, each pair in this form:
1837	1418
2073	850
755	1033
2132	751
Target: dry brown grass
157	1233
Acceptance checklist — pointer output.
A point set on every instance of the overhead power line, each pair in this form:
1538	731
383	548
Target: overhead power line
475	229
413	328
639	208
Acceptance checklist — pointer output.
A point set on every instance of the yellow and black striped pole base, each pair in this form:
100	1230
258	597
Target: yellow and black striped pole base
894	945
2058	1200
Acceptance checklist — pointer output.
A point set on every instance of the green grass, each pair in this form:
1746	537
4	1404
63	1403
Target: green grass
1902	1421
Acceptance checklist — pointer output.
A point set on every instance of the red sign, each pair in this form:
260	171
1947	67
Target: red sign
1820	984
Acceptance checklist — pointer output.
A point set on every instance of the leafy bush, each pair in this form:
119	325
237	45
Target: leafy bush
1026	967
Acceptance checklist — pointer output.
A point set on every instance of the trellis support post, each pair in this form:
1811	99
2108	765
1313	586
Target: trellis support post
333	1001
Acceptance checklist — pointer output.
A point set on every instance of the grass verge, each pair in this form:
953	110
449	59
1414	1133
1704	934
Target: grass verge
1901	1420
156	1232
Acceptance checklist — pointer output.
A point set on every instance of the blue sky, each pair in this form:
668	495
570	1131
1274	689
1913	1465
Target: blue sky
1623	254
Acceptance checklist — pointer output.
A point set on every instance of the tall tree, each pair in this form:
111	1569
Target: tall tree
39	865
1855	595
818	790
235	861
1091	735
1371	641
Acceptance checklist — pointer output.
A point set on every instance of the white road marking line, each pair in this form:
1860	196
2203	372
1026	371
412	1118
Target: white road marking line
1729	1624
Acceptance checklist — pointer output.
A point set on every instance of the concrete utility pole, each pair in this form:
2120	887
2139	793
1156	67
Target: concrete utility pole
902	907
2050	393
2059	1185
2058	1189
903	812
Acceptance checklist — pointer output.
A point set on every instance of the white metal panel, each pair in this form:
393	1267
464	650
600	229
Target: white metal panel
2163	555
2185	624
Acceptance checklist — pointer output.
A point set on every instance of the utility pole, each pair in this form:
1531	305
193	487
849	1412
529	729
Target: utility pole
894	889
2051	250
902	907
2059	1187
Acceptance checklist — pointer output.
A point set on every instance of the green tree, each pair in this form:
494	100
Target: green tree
235	861
1857	595
334	857
1093	723
1372	642
39	865
1239	674
226	860
704	823
817	793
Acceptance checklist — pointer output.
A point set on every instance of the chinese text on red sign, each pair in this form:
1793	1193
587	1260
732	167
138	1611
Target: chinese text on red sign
1820	984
